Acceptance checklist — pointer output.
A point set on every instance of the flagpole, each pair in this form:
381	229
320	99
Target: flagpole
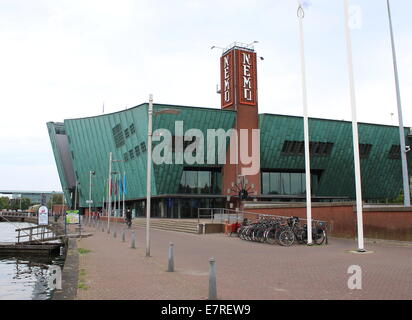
118	191
406	191
109	191
124	191
301	15
359	208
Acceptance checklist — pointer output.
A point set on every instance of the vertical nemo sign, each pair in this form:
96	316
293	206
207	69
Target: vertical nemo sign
227	77
247	77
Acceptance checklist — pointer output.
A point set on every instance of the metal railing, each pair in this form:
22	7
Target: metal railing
222	215
219	215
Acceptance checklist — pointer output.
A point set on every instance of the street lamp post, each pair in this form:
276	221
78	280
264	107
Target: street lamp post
149	164
406	191
90	191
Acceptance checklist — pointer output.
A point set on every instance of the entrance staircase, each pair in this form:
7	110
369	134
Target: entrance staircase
180	225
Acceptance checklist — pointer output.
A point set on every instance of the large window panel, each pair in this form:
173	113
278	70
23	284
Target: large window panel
295	183
265	183
275	186
204	181
285	182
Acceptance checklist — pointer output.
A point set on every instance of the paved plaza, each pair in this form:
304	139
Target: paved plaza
245	270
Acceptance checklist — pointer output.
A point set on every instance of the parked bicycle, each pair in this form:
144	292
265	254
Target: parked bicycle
282	230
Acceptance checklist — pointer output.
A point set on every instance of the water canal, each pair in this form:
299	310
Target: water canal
24	277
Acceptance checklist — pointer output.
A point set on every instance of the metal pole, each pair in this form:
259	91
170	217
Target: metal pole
212	280
118	190
124	180
301	15
109	205
171	265
405	176
90	193
359	209
133	244
75	196
148	180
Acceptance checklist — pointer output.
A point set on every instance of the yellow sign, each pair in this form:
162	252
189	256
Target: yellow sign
72	217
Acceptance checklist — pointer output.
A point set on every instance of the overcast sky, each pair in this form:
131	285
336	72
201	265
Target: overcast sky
62	59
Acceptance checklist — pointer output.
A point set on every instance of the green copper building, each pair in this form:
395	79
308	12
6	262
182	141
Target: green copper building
178	190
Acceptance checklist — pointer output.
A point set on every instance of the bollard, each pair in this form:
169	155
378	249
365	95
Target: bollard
133	245
171	265
123	236
114	233
108	230
212	280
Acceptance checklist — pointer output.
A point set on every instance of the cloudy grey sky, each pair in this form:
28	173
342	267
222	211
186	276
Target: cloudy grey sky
62	59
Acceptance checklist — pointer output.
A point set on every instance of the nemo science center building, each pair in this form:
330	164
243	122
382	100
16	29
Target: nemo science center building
217	158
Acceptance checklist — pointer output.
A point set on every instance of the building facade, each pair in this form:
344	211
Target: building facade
179	188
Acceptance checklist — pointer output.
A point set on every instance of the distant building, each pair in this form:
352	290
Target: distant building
36	197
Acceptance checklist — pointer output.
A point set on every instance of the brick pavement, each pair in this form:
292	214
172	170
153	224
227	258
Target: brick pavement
245	270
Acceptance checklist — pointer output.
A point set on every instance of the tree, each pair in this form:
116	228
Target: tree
4	203
57	198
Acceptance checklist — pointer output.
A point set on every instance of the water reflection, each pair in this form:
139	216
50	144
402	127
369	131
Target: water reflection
24	277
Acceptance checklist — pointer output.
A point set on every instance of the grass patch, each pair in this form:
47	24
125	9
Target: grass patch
82	286
83	251
81	283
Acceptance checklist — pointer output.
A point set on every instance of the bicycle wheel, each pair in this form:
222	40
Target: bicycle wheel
270	236
319	237
286	238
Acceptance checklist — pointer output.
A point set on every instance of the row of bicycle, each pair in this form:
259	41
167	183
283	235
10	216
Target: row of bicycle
282	230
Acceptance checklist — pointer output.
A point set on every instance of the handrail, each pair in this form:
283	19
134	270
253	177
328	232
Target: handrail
242	213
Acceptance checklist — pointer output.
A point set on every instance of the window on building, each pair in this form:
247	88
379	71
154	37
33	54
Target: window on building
126	156
143	147
71	152
364	150
131	153
118	136
132	129
297	148
395	152
137	151
287	183
200	181
126	133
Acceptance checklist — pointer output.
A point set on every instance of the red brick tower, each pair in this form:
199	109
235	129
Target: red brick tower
239	92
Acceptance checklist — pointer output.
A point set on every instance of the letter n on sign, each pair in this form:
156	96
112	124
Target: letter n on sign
227	86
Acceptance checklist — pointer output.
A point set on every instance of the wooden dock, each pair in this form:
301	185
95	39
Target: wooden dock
37	240
30	249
